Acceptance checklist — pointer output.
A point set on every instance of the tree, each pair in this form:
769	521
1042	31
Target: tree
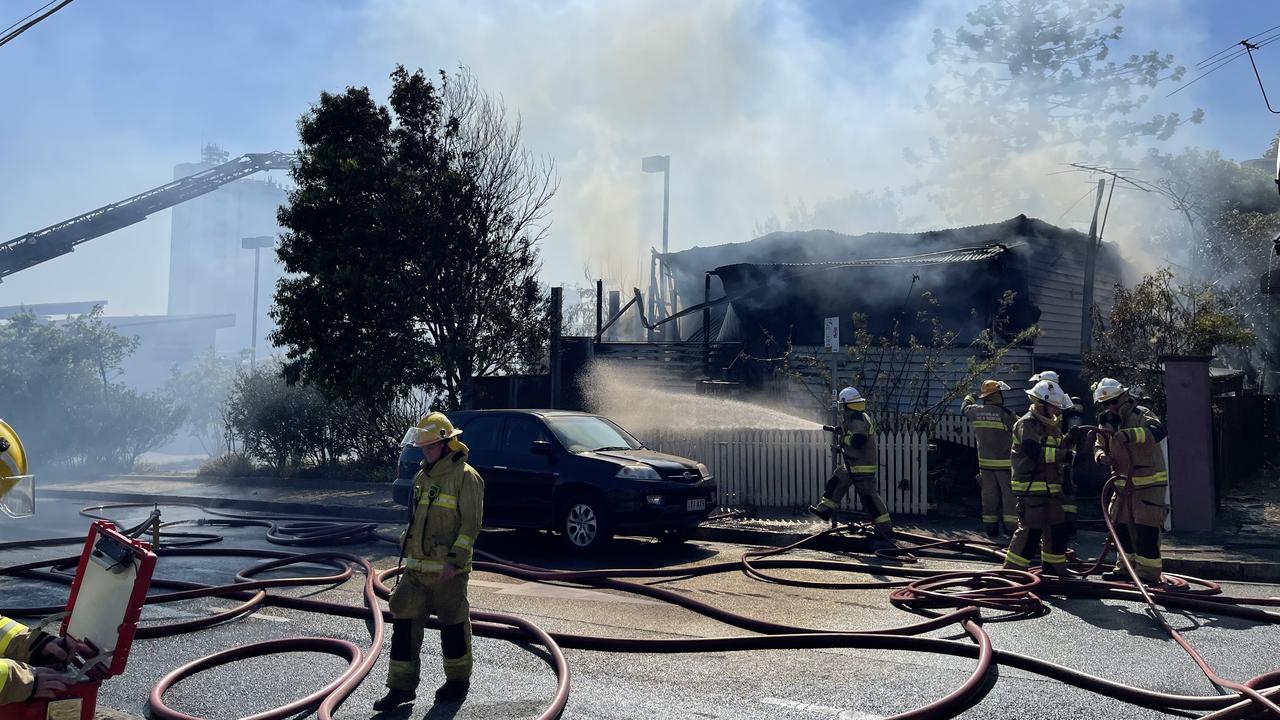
285	424
60	392
1156	318
1022	74
411	244
200	391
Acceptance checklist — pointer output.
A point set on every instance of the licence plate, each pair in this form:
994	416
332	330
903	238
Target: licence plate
695	504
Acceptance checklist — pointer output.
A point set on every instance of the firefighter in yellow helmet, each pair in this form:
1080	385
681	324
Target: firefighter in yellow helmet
1037	459
1138	508
17	487
447	508
857	438
992	425
32	662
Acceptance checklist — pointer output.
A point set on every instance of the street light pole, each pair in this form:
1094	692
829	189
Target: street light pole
256	244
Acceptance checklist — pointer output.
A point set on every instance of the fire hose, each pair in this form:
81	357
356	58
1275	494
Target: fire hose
944	599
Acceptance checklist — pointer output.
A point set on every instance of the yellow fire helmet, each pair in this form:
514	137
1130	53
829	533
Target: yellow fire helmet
17	488
991	387
432	428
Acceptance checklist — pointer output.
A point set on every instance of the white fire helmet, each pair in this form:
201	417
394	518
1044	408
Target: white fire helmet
1050	375
1108	389
1049	392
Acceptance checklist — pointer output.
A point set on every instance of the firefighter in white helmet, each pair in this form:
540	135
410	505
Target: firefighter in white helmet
1138	508
32	663
992	425
1072	419
1037	458
447	508
857	439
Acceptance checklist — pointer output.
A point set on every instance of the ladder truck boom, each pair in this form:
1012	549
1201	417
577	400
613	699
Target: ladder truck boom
54	241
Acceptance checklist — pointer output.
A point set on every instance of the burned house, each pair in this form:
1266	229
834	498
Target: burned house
776	291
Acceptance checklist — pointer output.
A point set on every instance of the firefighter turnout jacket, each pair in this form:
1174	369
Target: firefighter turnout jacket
1144	431
1037	456
446	520
993	425
18	644
858	442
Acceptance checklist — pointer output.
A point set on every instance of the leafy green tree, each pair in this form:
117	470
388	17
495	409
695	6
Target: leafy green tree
286	425
199	391
1022	74
1156	318
411	244
61	391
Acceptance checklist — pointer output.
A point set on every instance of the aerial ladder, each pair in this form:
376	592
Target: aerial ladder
36	247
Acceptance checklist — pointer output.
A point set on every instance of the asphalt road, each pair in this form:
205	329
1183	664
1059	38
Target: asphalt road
1109	638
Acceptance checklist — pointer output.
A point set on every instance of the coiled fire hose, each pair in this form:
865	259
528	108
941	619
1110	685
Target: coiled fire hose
942	598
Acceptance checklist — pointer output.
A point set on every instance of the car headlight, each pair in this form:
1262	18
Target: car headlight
638	472
653	499
702	470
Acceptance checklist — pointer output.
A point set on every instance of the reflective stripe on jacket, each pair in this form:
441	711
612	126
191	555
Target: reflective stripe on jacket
447	518
993	426
1142	426
861	460
16	679
1040	474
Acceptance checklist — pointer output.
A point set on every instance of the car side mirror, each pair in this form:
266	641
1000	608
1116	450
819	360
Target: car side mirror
543	448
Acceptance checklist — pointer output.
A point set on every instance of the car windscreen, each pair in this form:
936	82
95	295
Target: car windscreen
584	433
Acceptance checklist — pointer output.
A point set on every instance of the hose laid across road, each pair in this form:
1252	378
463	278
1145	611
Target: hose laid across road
943	599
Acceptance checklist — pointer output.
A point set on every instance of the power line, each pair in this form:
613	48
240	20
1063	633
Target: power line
4	40
1223	62
28	17
1232	46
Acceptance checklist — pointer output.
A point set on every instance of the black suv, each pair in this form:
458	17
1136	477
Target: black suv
576	473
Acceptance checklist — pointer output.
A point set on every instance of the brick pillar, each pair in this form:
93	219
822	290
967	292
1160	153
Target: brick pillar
1190	423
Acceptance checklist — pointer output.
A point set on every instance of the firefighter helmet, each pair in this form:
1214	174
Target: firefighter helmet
1048	392
1108	389
851	399
17	487
1050	375
431	429
991	387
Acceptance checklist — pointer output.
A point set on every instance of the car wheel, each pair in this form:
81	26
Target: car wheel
584	525
675	537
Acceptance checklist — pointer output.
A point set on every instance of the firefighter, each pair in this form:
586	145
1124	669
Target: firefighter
1037	459
1072	419
857	439
447	509
32	663
992	424
1138	507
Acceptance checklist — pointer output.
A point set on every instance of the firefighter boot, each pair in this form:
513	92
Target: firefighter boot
822	511
992	529
452	691
1116	574
393	699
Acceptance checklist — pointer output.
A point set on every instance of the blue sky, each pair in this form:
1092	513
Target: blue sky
762	105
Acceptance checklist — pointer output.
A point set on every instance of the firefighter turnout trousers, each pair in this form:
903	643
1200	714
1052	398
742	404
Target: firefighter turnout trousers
1138	514
1042	523
997	499
417	597
865	485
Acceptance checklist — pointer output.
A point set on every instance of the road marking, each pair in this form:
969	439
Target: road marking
833	712
542	590
155	612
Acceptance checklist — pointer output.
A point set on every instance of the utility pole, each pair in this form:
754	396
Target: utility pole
557	319
1090	266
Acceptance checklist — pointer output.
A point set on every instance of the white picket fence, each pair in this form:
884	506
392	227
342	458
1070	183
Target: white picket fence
956	429
788	468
